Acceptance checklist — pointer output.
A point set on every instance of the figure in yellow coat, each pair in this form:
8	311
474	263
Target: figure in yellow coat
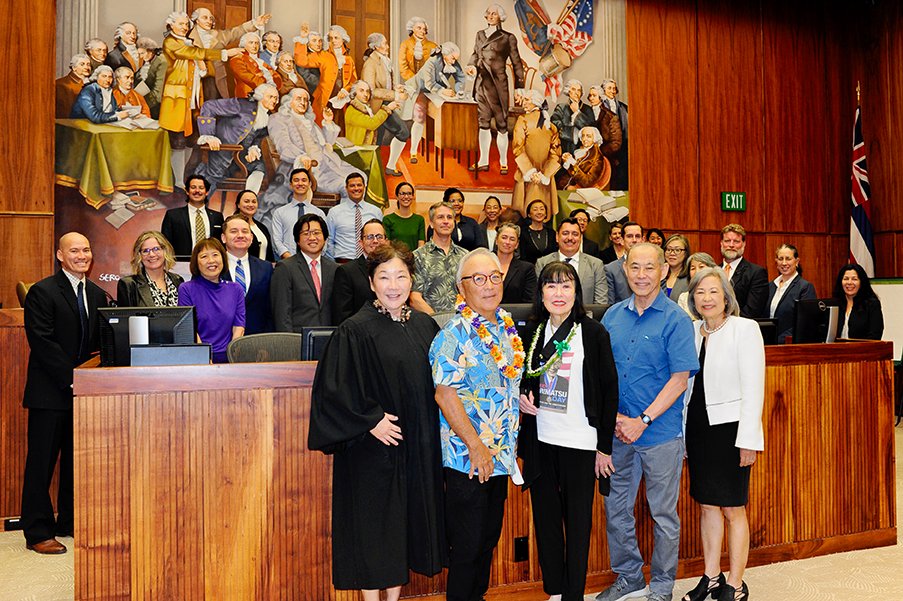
537	154
361	121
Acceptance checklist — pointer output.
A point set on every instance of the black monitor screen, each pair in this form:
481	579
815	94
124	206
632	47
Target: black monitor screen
166	325
814	321
313	341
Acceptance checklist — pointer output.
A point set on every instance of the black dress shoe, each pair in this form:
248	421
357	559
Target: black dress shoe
413	160
478	168
729	593
705	587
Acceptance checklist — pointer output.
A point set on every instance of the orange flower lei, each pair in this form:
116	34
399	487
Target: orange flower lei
513	369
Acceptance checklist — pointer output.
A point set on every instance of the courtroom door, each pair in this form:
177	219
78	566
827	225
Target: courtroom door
228	13
360	18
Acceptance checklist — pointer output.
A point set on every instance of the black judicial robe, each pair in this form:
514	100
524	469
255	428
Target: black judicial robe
387	503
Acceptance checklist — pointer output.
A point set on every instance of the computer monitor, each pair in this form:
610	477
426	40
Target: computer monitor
313	342
815	320
166	325
769	329
520	314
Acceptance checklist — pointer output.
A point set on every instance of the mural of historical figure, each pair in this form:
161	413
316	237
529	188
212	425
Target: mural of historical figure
537	154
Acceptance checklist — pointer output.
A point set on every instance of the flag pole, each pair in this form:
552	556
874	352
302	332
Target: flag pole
857	92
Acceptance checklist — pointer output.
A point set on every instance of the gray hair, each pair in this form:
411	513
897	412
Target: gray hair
117	35
356	85
598	90
374	40
95	42
477	252
147	44
409	27
659	252
341	31
175	15
120	71
284	53
261	89
511	226
197	13
311	34
435	207
570	84
731	306
605	82
99	70
81	56
285	105
704	258
501	11
535	97
597	137
449	48
244	39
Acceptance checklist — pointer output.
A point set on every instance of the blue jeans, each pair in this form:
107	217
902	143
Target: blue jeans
661	465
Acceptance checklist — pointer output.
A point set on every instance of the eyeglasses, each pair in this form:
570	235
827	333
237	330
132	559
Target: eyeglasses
405	194
311	234
674	251
372	237
480	279
151	251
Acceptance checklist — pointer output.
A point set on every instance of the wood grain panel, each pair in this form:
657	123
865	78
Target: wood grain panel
664	133
731	111
211	494
13	418
889	254
27	252
795	123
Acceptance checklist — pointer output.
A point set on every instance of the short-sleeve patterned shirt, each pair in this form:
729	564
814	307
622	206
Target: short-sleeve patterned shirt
434	275
462	361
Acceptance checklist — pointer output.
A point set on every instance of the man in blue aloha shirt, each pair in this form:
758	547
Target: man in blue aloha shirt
477	361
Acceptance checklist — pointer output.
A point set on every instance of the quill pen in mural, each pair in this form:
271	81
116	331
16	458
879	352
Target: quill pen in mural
558	43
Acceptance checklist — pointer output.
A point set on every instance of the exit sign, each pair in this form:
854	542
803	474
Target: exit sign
733	201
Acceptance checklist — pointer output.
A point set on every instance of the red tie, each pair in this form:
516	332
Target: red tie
316	277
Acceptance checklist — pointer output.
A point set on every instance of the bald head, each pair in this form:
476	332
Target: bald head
74	253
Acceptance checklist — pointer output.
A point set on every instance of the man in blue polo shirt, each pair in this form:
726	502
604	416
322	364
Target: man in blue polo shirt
654	350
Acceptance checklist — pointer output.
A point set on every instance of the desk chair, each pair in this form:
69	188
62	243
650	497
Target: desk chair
265	348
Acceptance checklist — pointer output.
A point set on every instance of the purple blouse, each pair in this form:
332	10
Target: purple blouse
219	308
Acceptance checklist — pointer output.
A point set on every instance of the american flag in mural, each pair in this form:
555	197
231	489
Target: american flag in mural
575	32
862	243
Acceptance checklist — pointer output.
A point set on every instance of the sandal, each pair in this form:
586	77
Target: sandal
729	593
707	586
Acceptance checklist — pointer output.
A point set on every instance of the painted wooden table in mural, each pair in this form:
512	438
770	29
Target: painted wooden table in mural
454	127
101	159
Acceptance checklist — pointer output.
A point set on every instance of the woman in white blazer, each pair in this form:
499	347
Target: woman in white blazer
723	429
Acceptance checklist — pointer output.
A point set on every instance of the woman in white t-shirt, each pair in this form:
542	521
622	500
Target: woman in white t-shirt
569	404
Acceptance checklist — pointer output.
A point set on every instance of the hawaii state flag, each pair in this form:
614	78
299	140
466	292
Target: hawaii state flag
862	242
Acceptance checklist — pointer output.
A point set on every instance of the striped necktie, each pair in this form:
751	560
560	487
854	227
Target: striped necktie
200	232
240	276
358	225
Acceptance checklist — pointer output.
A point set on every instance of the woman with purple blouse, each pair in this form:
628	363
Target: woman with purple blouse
219	305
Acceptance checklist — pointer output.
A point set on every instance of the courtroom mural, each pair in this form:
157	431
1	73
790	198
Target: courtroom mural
497	112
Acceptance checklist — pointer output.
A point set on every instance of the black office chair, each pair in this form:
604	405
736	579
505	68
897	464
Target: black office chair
265	348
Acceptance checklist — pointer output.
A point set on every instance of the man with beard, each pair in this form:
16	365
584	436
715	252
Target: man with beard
750	281
186	226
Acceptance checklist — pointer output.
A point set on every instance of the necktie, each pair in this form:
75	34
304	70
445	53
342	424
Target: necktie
200	232
240	276
316	277
358	224
568	259
83	318
727	270
300	210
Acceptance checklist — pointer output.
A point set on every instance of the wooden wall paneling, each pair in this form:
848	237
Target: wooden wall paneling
889	254
13	418
731	111
27	253
664	133
795	117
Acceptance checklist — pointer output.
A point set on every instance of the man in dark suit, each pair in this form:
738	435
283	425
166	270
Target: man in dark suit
620	176
61	327
302	285
590	270
352	280
252	273
618	287
750	281
186	226
588	247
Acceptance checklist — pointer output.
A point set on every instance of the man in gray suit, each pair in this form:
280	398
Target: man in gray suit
590	270
301	286
618	289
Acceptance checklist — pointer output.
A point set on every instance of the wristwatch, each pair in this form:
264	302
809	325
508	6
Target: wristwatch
646	419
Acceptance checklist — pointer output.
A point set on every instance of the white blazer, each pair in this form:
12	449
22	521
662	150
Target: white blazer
734	379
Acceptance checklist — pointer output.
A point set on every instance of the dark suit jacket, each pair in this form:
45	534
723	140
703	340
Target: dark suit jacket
866	319
590	248
785	311
134	290
519	285
258	311
255	246
294	297
618	288
608	255
53	329
351	289
600	397
177	228
750	283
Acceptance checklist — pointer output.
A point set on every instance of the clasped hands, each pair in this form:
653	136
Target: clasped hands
629	429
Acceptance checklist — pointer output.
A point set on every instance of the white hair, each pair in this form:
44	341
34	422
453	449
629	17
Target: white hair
605	82
535	96
477	252
285	105
341	31
597	137
260	90
501	11
120	71
570	84
99	70
175	15
117	35
147	44
284	53
95	42
311	34
374	40
356	85
197	13
81	56
244	39
598	90
416	21
449	48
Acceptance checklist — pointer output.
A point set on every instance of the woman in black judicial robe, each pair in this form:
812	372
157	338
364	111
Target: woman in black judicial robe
373	408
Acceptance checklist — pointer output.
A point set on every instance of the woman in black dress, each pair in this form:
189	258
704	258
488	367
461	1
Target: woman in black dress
520	277
373	408
724	429
537	239
861	316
